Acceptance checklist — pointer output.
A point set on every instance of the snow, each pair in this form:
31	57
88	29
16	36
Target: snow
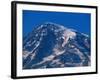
66	35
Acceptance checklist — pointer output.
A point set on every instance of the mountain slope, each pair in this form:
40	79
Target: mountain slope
51	45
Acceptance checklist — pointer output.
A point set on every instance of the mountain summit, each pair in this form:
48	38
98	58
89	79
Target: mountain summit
52	45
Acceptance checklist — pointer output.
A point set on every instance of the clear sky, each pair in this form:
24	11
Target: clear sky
77	21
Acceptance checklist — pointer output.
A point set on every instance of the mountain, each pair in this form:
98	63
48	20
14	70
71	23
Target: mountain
51	45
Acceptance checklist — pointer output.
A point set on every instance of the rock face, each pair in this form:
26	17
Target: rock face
54	46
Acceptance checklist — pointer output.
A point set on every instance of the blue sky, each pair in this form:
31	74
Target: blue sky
77	21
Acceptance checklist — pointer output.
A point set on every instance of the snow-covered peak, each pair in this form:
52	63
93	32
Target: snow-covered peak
53	45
